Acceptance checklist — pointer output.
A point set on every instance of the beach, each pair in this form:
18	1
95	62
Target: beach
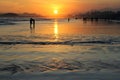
60	50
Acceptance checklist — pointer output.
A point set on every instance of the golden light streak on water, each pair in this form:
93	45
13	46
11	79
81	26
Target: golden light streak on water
56	30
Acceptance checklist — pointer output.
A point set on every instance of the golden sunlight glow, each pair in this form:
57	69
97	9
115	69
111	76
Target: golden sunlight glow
55	11
56	8
56	30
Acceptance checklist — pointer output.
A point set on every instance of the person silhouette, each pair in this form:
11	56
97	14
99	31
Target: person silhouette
31	22
68	19
32	25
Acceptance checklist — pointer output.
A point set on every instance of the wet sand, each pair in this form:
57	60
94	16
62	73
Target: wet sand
85	52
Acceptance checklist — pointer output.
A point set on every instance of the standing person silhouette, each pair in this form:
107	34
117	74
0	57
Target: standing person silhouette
68	19
32	24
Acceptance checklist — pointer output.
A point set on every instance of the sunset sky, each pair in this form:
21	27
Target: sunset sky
55	7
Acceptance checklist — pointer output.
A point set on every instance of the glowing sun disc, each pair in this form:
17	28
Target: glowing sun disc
55	11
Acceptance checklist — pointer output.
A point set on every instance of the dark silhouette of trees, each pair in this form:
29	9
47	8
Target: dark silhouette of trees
19	15
9	15
106	15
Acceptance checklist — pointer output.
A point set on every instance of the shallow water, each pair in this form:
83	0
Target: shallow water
60	45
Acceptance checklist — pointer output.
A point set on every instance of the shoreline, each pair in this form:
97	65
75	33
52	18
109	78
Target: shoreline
62	76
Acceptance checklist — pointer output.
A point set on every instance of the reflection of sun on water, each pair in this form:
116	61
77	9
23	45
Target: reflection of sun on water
56	30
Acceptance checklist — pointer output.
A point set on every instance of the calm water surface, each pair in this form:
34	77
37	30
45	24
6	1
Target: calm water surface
57	30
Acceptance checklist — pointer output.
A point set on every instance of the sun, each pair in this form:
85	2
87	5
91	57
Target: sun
55	11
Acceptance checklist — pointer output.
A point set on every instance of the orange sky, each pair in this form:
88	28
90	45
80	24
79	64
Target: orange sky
47	7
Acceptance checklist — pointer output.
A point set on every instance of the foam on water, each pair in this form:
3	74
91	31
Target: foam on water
61	46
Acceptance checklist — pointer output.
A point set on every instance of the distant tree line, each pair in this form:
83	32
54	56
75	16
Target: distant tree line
19	15
106	15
